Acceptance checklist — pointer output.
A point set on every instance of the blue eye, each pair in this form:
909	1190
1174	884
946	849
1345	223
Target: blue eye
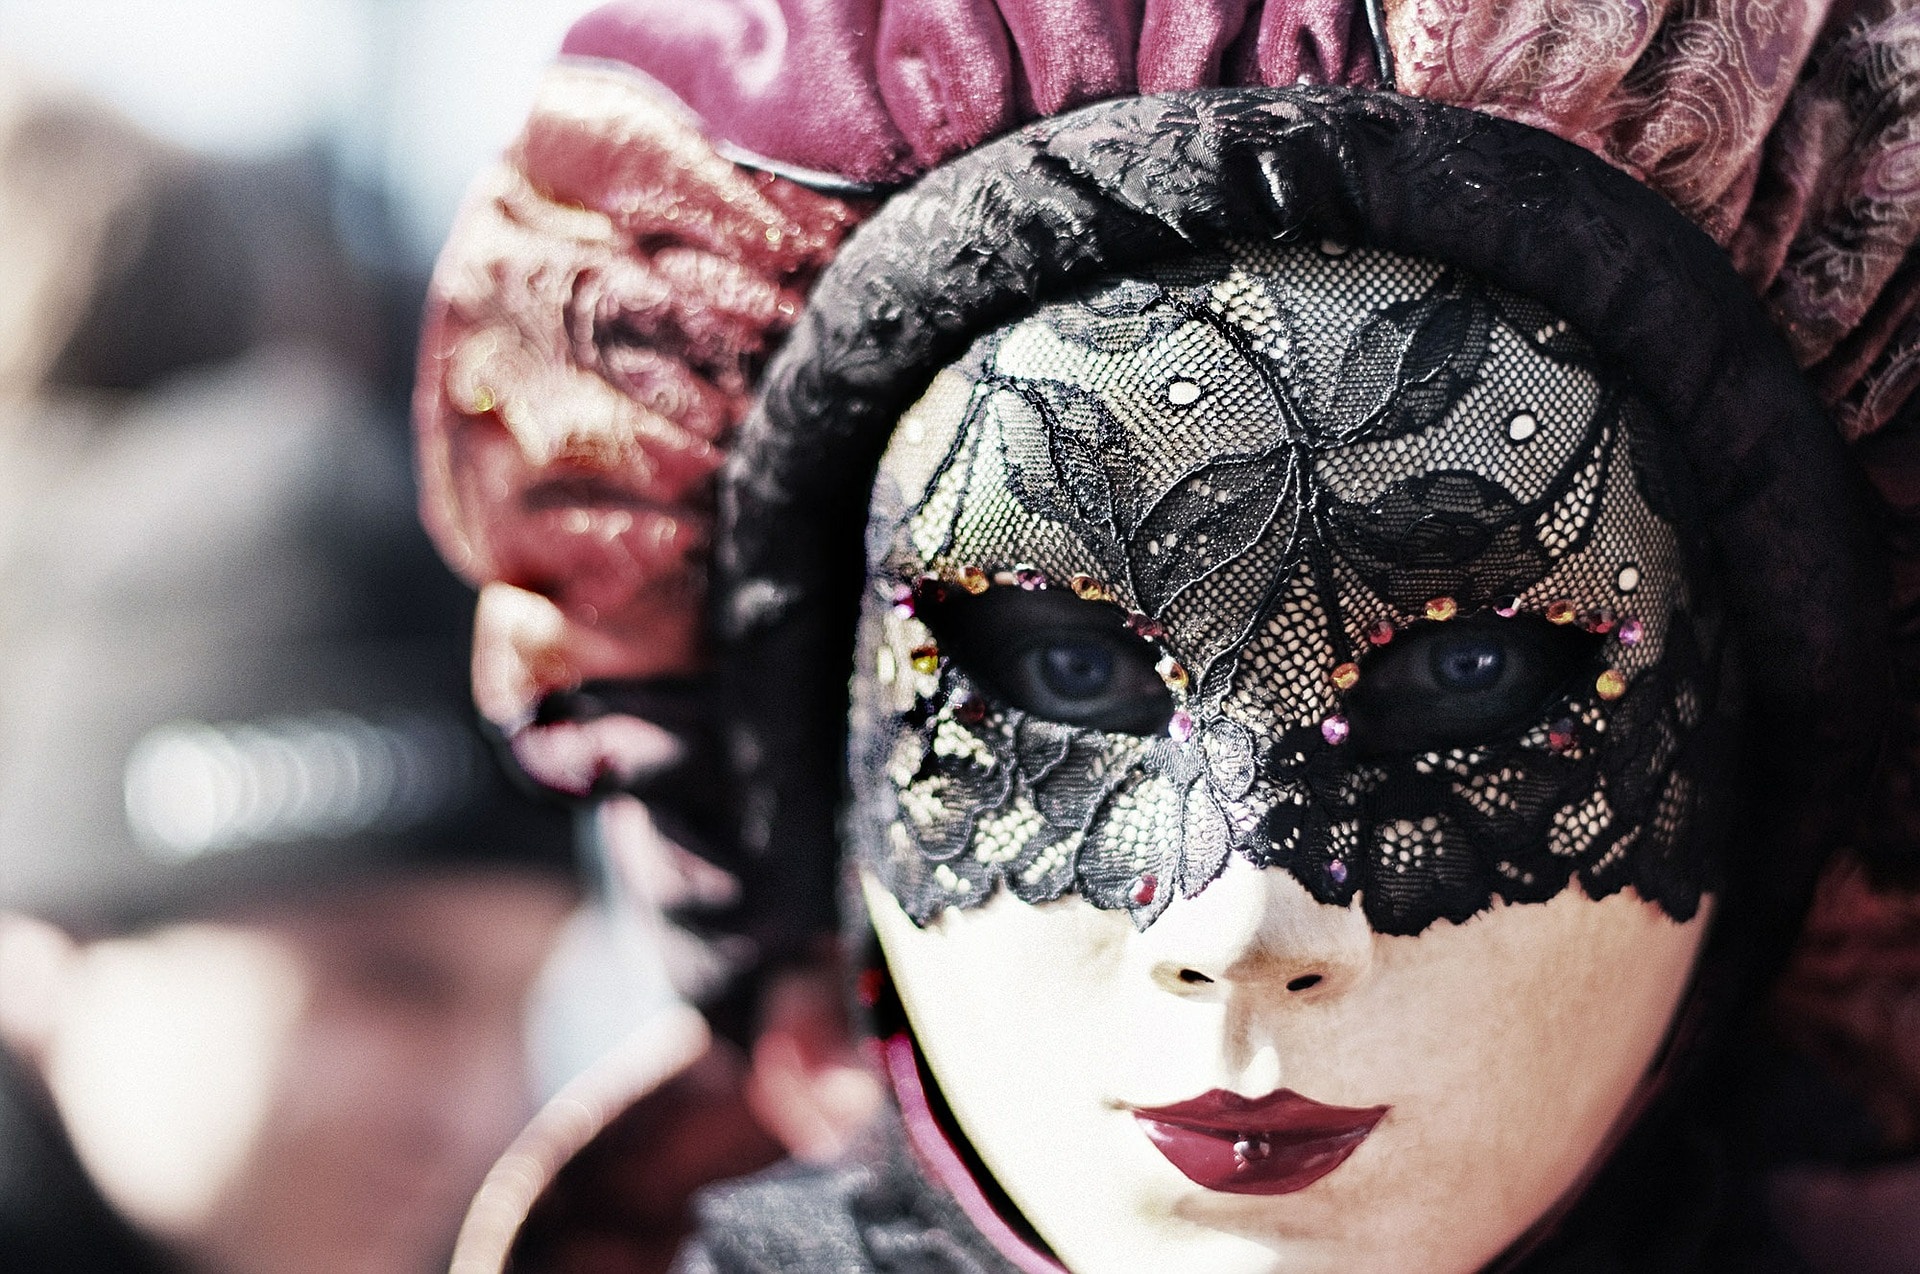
1076	670
1468	662
1463	682
1056	657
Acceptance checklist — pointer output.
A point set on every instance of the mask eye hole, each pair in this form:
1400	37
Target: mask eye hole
1054	655
1469	664
1465	682
1073	671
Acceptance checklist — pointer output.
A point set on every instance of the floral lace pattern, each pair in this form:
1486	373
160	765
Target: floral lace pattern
1276	461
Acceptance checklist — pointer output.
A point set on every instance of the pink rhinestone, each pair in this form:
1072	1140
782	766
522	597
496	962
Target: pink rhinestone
1507	607
902	597
1337	870
1599	620
1142	889
1380	632
1335	729
1180	727
1143	626
1632	633
972	710
1031	578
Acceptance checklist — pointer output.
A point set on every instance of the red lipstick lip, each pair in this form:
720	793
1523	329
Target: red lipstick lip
1275	1144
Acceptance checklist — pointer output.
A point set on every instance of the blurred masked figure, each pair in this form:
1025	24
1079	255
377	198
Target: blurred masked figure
270	912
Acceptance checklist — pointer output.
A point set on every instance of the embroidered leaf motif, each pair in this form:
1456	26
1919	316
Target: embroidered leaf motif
1210	517
1450	327
1082	448
1404	366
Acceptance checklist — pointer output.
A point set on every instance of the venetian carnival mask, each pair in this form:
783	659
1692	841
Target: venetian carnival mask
1319	560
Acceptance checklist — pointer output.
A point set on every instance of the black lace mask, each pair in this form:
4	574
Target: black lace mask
1341	561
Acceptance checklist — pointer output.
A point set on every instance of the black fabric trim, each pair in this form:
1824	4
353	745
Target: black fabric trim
1123	183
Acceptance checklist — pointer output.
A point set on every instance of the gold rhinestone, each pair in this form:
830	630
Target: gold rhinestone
1090	589
1346	676
1610	684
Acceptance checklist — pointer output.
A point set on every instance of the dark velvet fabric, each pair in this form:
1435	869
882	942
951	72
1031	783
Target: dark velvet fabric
873	1212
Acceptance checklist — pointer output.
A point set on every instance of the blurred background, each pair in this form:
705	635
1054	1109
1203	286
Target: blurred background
402	101
287	958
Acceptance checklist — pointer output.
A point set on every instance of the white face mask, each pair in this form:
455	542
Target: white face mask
1304	558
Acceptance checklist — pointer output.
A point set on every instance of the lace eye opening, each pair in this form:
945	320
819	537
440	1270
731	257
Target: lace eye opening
1053	655
1467	681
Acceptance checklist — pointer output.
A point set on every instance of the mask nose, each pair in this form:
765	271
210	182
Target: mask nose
1257	930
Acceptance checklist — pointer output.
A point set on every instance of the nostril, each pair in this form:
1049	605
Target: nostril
1304	981
1193	977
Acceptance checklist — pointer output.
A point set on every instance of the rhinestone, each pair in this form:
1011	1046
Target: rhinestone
1337	870
1171	673
1610	684
1562	612
1183	393
484	401
1335	729
1142	888
1442	608
972	710
1089	589
1006	579
1141	626
1380	632
926	659
1345	676
1522	426
1332	248
1180	726
975	580
1632	633
1251	1148
1599	620
1507	607
1628	579
1031	578
1560	735
901	595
